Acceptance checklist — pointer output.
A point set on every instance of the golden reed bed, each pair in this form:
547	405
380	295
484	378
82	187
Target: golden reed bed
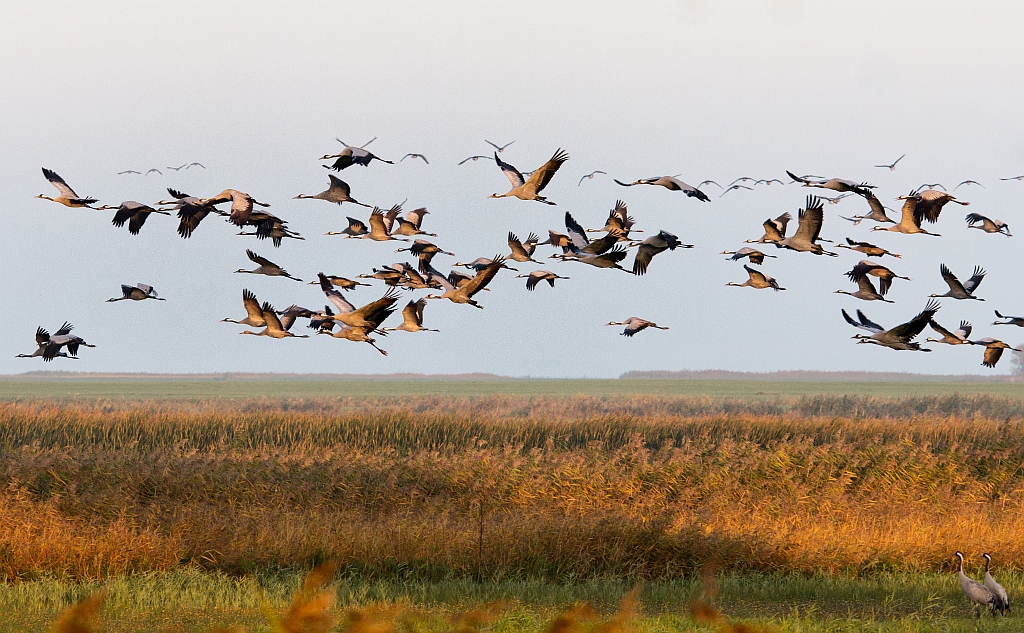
644	487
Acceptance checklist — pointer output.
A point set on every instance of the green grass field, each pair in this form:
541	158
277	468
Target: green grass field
131	389
190	600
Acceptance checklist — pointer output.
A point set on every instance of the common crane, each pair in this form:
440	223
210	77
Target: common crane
271	227
276	327
523	251
866	291
755	256
877	212
530	189
191	211
995	587
774	230
900	337
135	214
137	292
241	205
911	216
42	338
266	267
410	225
619	222
538	276
412	318
931	201
866	267
993	350
653	245
60	339
348	314
342	282
757	279
672	184
868	249
959	337
1010	320
834	184
978	221
805	238
337	192
352	155
634	325
976	592
67	196
361	333
355	228
959	290
425	252
253	311
464	294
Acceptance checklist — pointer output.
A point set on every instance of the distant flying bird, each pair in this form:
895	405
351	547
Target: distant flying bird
352	155
135	214
338	192
951	338
191	165
741	179
769	181
179	167
963	290
652	246
836	199
420	156
672	184
993	350
978	221
266	267
67	196
932	186
892	165
868	249
156	170
755	256
735	187
968	182
834	184
137	292
634	325
538	276
709	182
590	176
900	337
474	158
757	279
129	171
1013	178
499	149
1010	320
530	189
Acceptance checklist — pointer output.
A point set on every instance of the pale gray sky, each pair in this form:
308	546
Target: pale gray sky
258	91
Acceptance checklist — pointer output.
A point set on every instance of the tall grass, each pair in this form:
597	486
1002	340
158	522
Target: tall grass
640	488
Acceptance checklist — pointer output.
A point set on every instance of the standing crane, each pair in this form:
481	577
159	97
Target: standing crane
963	290
995	587
67	196
976	592
757	279
137	292
634	325
672	184
530	189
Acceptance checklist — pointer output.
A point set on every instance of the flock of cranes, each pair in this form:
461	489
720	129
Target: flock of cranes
610	248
